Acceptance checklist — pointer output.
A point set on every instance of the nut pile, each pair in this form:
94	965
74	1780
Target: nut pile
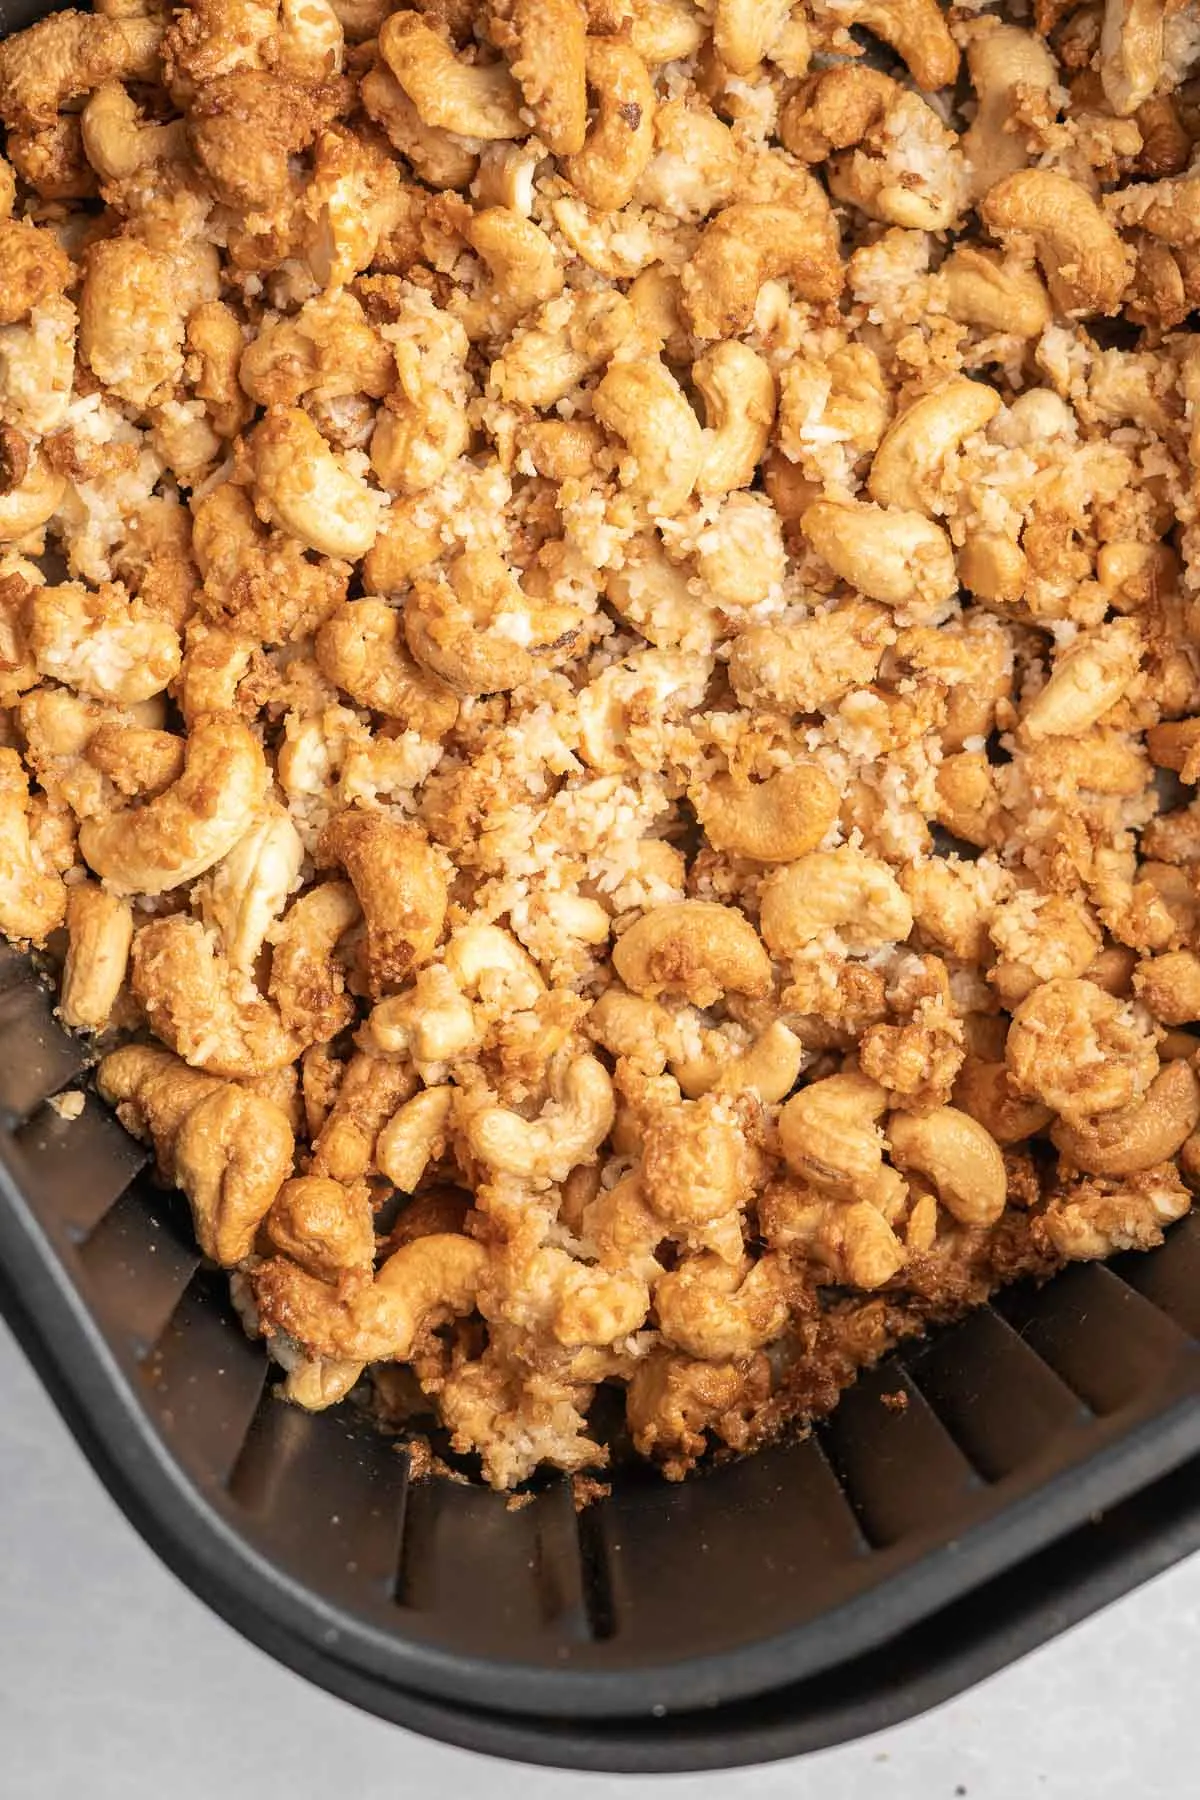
622	577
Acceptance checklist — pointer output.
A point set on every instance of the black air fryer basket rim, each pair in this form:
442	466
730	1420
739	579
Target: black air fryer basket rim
193	1535
953	1648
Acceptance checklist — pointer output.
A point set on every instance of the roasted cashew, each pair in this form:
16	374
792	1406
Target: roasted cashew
361	649
248	889
715	1309
753	242
116	141
775	821
33	900
438	157
27	507
908	467
171	839
1137	1137
478	100
917	32
1131	52
102	644
695	948
574	1123
523	268
843	891
205	1009
958	1155
850	1238
300	485
307	984
546	44
644	405
413	1136
1004	63
738	390
994	293
620	141
325	1226
888	553
1087	267
99	934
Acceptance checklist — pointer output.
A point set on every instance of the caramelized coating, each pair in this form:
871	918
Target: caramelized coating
598	621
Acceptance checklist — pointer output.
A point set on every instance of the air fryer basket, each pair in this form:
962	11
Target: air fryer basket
813	1592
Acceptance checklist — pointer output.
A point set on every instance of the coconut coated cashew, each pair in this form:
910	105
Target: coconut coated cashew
202	1006
33	900
843	890
1087	267
572	1126
695	948
301	486
99	933
738	390
400	887
175	837
909	465
753	242
960	1158
644	405
888	553
1002	61
775	821
478	100
1138	1137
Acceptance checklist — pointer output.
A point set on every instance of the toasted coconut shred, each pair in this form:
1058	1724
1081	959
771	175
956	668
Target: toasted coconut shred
599	690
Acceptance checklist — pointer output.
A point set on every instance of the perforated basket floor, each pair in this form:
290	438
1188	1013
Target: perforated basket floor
770	1590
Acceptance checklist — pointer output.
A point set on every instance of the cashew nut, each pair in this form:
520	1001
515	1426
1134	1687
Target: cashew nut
888	553
1140	1136
775	821
909	465
958	1155
572	1126
1087	267
843	891
695	948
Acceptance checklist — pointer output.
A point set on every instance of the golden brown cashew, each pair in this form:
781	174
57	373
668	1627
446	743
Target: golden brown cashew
300	485
695	948
844	891
248	889
917	32
1085	682
325	1226
752	242
370	1090
117	142
437	157
33	900
479	100
421	1285
175	837
813	662
738	390
1140	1136
984	1090
909	466
829	1133
776	820
205	1009
1087	267
850	1238
100	932
102	643
361	649
744	31
1098	1216
467	631
1079	1050
1004	63
545	42
620	141
307	982
574	1123
888	553
1131	52
994	293
962	1160
523	267
715	1309
400	887
644	405
69	54
131	319
229	1150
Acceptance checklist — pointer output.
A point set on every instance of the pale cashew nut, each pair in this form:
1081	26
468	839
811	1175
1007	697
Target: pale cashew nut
620	141
844	891
491	967
1137	1137
774	821
1131	52
478	100
118	143
909	466
33	900
716	1310
745	30
738	390
400	886
1004	63
303	487
769	1068
960	1158
752	242
996	294
1086	681
695	948
1087	267
414	1136
325	1226
655	596
361	648
431	1022
99	932
644	405
571	337
571	1128
176	836
888	553
199	1004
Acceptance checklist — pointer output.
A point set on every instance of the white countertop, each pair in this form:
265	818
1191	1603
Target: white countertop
115	1684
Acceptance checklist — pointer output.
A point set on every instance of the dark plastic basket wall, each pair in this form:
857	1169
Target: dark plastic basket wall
807	1594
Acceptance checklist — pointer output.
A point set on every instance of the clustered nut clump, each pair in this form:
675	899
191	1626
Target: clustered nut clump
611	743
